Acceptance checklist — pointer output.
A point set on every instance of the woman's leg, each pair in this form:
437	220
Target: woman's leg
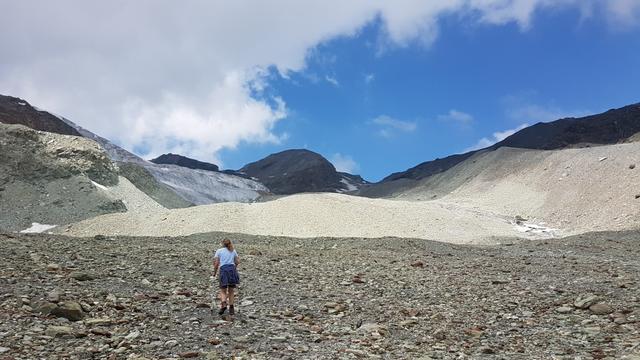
230	295
223	297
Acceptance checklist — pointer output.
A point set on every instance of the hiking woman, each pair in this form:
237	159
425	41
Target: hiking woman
226	261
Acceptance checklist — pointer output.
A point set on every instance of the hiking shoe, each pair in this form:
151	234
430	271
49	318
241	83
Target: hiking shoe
232	311
223	308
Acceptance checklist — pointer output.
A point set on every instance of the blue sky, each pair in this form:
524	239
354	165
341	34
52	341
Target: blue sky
375	86
474	81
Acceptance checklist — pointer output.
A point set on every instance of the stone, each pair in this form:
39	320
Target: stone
100	332
592	330
133	335
82	276
4	349
58	331
417	263
584	301
215	341
189	354
632	166
439	334
45	308
98	322
409	322
69	310
601	309
146	282
53	296
171	343
372	328
564	309
53	267
245	339
486	350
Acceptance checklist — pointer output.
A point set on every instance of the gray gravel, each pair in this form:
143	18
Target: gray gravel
321	298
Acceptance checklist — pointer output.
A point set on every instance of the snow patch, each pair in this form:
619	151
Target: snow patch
22	103
348	184
99	186
37	228
535	229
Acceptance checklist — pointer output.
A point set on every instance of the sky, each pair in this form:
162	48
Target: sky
374	86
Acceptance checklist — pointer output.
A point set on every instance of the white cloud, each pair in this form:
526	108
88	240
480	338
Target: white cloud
523	108
623	13
494	138
368	78
161	75
388	126
457	117
344	163
332	80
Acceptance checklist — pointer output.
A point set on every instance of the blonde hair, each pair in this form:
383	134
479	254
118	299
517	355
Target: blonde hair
227	243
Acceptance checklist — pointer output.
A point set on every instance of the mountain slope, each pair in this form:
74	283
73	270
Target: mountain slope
173	186
52	179
611	127
298	170
575	190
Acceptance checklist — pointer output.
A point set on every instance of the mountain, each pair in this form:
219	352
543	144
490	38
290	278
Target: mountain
17	111
171	185
298	170
611	127
184	161
48	178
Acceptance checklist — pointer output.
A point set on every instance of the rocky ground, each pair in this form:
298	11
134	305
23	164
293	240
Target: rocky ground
123	298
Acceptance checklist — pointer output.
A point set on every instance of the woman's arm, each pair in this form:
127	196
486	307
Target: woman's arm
236	260
216	265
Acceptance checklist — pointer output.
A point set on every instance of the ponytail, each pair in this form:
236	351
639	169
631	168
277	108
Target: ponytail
227	243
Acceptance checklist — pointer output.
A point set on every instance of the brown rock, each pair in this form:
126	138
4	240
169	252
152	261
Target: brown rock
69	310
189	354
417	263
601	309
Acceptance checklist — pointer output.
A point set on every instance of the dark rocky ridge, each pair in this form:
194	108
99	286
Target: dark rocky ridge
611	127
17	111
295	171
184	161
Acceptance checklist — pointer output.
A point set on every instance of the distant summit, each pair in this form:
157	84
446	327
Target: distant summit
299	170
175	159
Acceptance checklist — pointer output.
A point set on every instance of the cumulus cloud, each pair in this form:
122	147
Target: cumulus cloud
494	138
160	75
344	163
457	117
388	126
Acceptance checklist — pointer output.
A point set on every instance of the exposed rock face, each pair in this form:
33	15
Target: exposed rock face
297	171
17	111
184	161
143	180
47	178
611	127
